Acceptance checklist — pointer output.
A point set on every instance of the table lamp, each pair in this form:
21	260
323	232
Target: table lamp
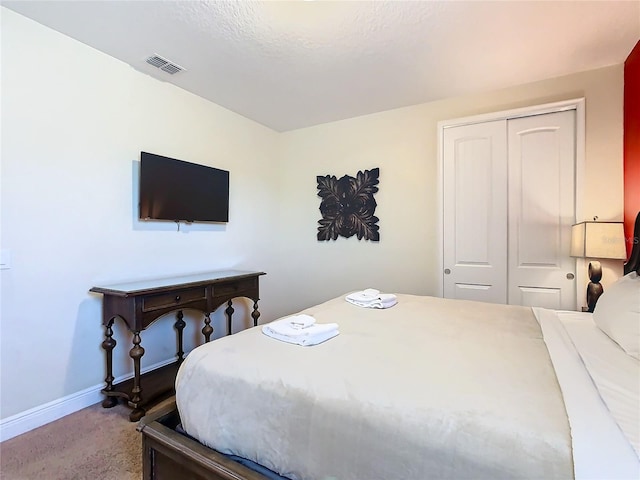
593	239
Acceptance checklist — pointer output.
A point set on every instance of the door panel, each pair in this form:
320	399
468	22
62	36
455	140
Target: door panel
473	292
541	297
541	210
475	208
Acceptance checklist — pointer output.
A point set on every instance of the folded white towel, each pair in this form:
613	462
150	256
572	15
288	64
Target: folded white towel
305	341
284	327
382	300
366	295
301	321
311	335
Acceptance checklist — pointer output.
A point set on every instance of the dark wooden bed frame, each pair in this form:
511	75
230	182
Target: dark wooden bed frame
169	455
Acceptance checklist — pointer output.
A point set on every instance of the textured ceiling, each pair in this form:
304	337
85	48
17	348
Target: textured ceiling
293	64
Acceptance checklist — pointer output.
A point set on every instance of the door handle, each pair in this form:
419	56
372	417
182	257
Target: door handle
447	271
570	276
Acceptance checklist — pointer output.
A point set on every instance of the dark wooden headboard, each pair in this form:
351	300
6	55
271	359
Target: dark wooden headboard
633	264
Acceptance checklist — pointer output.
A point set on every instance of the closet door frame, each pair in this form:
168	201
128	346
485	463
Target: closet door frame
577	104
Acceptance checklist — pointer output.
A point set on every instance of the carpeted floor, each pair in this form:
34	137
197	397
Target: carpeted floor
91	444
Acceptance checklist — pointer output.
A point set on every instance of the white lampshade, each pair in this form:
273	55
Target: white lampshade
598	240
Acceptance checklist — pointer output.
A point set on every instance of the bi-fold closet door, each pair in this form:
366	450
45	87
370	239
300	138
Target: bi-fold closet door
508	207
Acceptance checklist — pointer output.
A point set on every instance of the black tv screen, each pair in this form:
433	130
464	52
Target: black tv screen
176	190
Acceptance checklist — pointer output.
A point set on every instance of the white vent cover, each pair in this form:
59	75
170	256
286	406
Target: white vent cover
164	64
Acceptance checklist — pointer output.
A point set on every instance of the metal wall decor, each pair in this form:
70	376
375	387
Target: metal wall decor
348	206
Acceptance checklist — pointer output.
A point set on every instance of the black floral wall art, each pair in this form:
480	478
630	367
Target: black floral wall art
348	206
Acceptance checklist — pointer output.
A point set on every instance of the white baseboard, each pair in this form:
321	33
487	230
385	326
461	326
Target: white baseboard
41	415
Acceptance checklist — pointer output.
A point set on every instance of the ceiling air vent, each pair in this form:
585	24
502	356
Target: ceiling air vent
164	64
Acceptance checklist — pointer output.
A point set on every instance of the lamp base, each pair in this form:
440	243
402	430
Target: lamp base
594	289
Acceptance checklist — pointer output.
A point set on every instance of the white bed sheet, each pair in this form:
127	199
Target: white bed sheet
600	394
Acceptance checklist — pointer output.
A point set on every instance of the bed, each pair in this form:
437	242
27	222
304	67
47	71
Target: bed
429	388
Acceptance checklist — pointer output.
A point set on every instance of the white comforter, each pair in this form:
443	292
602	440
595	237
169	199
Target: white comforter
430	388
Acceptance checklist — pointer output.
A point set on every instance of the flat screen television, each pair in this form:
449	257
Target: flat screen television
176	190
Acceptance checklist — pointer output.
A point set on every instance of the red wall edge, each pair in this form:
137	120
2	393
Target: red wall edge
631	142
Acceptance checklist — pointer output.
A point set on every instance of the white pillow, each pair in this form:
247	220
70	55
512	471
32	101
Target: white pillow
617	313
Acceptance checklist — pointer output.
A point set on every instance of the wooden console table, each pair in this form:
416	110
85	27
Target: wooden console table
138	304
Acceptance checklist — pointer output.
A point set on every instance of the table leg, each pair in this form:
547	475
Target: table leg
136	354
255	314
109	344
207	330
229	311
179	326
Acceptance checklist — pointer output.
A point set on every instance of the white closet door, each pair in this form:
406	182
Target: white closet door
475	210
541	210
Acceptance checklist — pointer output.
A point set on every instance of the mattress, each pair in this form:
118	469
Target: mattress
430	388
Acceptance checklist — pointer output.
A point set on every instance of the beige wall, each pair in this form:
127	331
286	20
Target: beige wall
403	144
73	124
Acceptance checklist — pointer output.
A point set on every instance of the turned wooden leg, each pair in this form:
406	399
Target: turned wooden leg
136	354
594	289
229	311
109	344
255	314
207	330
179	326
136	414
